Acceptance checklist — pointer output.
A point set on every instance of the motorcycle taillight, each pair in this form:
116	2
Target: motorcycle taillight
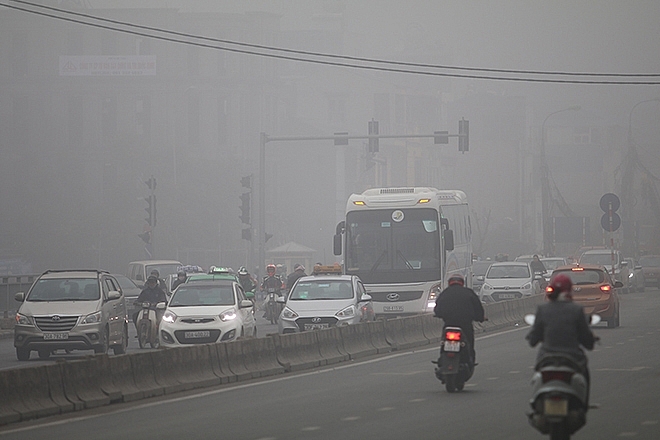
564	376
452	336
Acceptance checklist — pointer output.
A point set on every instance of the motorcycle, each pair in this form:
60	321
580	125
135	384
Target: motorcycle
272	306
454	366
147	326
560	394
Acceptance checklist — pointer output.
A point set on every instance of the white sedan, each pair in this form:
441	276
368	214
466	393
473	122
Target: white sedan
509	280
207	312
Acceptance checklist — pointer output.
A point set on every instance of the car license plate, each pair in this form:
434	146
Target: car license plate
198	334
55	336
507	295
316	326
453	346
392	308
555	407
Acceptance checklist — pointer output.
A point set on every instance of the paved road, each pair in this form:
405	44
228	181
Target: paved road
397	396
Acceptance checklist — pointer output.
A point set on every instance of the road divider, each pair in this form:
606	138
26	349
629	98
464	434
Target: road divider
98	380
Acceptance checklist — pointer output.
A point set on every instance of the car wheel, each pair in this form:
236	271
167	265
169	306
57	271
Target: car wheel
103	346
121	348
44	354
23	354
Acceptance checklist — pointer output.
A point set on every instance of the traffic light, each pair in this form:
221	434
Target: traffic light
373	130
146	237
151	183
463	135
151	210
245	208
246	182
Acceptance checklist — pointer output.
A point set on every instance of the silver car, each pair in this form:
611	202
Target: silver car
509	280
71	310
323	301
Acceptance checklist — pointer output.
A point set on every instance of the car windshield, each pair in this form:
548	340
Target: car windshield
525	258
480	268
586	276
650	261
191	295
319	290
164	270
509	271
602	258
551	264
125	283
61	289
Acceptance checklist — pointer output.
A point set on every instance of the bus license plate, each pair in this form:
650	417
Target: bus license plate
197	335
55	336
392	308
555	407
453	346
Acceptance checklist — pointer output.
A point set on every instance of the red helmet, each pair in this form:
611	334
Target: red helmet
559	283
271	268
456	278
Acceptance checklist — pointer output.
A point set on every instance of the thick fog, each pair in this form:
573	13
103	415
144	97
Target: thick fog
78	148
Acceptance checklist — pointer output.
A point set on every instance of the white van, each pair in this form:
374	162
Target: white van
138	271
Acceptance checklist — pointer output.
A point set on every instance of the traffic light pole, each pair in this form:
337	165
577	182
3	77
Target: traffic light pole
339	139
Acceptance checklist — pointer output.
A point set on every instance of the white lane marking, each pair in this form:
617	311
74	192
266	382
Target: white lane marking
492	378
310	428
409	373
416	400
628	434
514	372
623	369
350	419
267	438
650	422
471	385
386	408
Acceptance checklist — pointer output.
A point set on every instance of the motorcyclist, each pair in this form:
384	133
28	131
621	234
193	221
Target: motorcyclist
271	281
152	294
537	265
247	281
181	278
561	326
161	282
298	271
458	306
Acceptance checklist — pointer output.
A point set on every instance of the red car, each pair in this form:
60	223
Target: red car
594	289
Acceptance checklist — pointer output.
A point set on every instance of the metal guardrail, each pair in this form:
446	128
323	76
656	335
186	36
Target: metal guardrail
9	286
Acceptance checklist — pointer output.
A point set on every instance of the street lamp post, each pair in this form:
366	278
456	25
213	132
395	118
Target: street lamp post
545	187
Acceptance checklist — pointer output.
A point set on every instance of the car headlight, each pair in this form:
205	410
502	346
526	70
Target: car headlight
92	318
228	315
24	319
344	313
527	286
486	287
630	275
289	314
169	317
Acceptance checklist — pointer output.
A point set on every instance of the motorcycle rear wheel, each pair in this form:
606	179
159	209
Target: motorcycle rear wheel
559	431
450	383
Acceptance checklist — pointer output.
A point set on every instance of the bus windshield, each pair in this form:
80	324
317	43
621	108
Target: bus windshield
393	246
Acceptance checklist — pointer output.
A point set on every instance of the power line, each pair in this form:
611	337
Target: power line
328	63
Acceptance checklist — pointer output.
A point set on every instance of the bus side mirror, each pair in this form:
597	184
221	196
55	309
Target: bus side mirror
336	245
449	239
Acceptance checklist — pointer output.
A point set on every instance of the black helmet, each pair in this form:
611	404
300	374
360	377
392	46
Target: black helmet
181	273
242	270
152	278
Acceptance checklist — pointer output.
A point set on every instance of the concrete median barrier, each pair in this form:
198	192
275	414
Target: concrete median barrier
220	363
405	333
236	360
82	382
331	346
357	341
297	351
26	392
121	372
260	357
56	388
143	374
376	332
184	368
165	370
432	328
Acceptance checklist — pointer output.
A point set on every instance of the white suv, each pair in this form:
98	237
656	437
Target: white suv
605	257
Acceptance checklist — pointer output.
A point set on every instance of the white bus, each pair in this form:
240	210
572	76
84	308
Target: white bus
403	243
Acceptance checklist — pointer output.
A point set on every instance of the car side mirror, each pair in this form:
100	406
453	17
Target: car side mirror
20	296
113	294
624	264
249	294
538	276
281	300
245	303
480	278
365	297
161	306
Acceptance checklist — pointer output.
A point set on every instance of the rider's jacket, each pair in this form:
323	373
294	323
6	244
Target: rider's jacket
152	295
459	306
562	327
272	282
246	283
